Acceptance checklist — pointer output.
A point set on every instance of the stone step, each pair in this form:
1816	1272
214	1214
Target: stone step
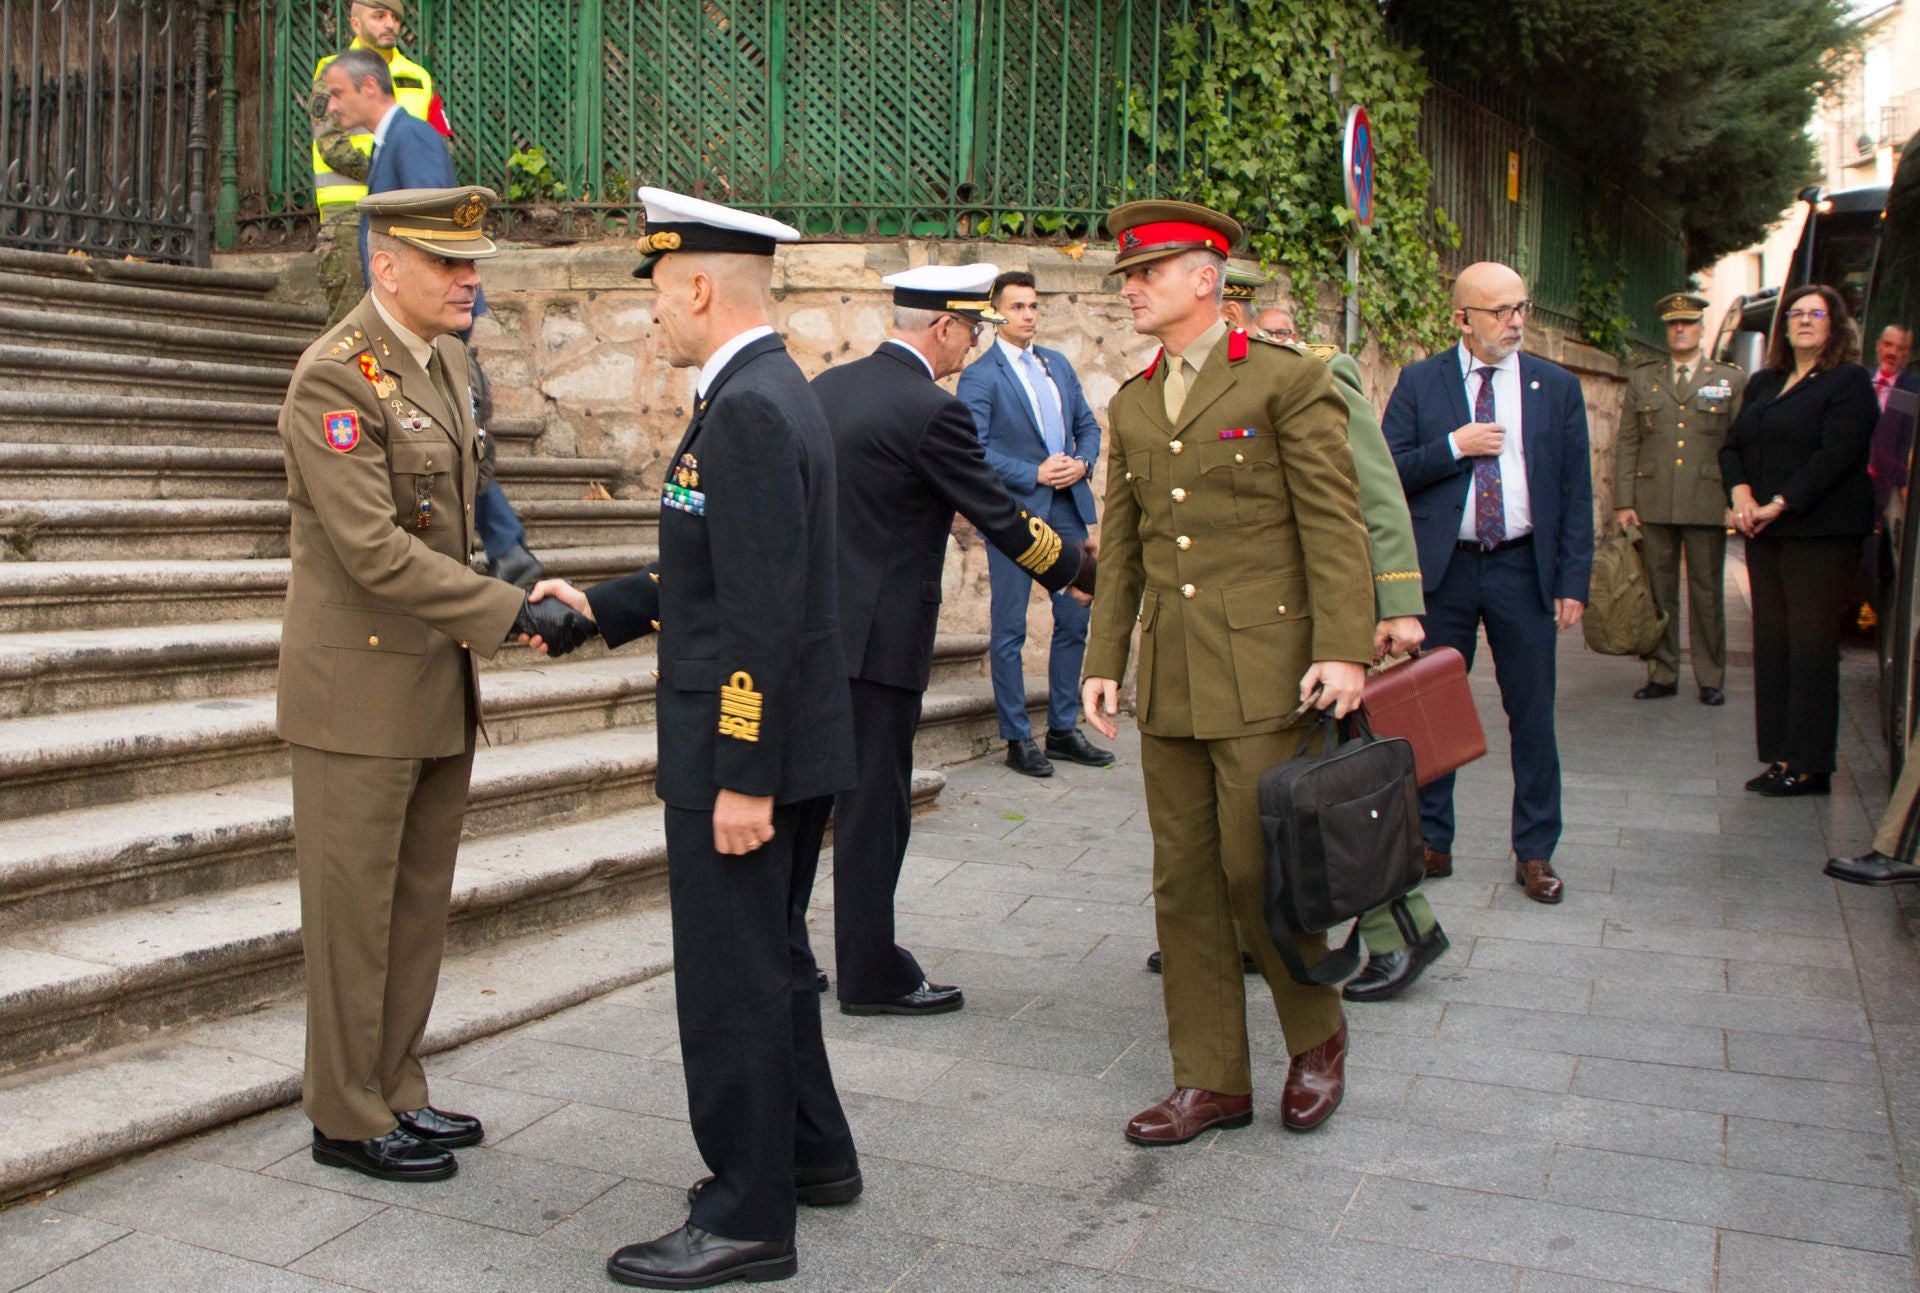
64	672
58	596
162	304
95	471
77	863
85	985
67	417
134	336
102	370
116	529
254	284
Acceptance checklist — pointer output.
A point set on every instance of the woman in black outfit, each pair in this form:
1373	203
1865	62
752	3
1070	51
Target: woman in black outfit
1800	443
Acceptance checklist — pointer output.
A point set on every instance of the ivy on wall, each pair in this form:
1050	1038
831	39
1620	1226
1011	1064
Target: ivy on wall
1263	113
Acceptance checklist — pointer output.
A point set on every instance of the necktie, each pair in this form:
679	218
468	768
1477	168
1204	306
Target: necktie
1051	431
1176	388
1680	379
1490	509
1882	384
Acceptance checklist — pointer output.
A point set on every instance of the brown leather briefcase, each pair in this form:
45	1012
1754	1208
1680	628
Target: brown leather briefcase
1427	701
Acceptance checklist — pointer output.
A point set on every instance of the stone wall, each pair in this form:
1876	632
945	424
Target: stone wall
570	340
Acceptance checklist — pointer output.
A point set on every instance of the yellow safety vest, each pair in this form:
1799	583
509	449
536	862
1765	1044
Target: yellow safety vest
412	89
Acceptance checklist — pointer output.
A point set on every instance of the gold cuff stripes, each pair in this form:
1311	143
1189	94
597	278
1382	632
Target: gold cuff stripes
740	708
1045	550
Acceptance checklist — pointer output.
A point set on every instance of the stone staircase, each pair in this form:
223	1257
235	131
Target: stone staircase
150	956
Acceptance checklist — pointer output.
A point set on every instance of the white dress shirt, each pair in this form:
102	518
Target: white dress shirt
1513	453
1017	359
417	346
386	124
924	361
719	358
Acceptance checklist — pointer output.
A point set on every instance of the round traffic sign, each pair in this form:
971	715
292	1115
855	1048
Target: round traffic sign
1356	156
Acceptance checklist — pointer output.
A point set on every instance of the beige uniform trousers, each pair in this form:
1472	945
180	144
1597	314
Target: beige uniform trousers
375	841
1209	871
1706	549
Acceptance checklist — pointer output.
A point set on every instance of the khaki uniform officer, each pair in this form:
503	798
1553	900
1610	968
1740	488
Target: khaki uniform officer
1233	535
378	694
1667	481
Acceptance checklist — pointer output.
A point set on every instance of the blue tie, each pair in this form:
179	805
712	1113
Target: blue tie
1051	430
1490	512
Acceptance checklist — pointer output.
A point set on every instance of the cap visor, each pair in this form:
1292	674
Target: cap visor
1125	263
645	268
474	249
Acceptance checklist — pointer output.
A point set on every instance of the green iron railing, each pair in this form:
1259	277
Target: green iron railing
865	119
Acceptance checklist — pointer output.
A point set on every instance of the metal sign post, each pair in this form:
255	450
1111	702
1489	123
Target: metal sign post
1356	164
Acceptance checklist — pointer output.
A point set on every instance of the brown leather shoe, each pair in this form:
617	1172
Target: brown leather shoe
1315	1082
1541	883
1438	865
1186	1113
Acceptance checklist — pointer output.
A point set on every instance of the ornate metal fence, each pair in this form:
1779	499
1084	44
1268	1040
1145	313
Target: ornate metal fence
103	127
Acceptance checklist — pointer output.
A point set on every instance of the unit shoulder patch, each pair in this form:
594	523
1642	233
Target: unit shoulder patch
342	429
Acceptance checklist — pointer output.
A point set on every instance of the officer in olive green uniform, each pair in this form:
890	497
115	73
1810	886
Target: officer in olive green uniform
1233	535
1667	481
378	688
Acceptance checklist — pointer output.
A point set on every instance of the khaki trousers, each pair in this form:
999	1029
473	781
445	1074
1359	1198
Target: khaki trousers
1209	871
1894	820
375	841
1706	550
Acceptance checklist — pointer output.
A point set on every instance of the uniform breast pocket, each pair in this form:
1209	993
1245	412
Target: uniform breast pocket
1240	482
422	482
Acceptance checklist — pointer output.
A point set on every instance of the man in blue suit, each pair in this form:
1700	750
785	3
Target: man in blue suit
1042	440
410	154
1491	445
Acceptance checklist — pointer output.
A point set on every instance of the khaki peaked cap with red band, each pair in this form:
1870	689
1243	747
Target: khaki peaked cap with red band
1154	230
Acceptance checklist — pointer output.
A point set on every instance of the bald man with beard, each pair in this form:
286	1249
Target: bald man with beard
1491	445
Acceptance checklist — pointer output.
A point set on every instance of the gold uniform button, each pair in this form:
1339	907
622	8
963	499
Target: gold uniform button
1239	457
1179	495
1183	543
656	625
1679	444
654	672
1682	426
1281	608
1188	590
465	647
1175	447
429	462
1679	462
373	639
1129	475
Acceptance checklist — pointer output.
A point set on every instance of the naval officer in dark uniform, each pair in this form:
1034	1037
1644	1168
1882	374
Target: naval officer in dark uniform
755	738
909	457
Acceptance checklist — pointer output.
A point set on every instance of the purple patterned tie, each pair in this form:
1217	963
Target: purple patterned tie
1490	510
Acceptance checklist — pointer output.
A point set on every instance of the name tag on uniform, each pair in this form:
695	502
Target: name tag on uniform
682	499
1237	433
1719	391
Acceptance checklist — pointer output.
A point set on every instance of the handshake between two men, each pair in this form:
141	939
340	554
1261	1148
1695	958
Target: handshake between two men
555	618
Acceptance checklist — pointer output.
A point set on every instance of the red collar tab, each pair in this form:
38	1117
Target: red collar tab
1171	233
1236	346
1154	367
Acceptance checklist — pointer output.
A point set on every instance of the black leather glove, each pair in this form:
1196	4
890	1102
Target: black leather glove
554	622
1084	579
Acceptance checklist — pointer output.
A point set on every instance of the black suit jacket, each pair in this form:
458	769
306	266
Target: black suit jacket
1809	446
909	457
753	688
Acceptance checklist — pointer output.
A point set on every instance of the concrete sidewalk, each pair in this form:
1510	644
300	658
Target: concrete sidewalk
1697	1073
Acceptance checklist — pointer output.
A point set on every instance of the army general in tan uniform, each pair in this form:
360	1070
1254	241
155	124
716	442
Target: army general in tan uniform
1667	481
1233	534
378	688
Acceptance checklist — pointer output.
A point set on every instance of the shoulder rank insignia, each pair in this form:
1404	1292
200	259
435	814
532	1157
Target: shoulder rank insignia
1236	345
383	385
740	707
687	474
342	429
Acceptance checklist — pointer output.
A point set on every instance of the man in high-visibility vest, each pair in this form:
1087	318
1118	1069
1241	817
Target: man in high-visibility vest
341	156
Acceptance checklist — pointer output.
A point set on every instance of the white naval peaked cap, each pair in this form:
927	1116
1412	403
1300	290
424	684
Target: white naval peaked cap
965	290
676	222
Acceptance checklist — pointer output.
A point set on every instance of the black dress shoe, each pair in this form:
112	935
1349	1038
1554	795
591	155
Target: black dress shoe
817	1187
690	1258
1074	747
819	980
1872	868
1792	785
447	1130
518	567
1656	690
1390	974
1712	696
397	1156
1246	963
1024	757
927	999
1774	772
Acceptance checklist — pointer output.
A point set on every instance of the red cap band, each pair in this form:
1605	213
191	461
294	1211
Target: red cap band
1166	233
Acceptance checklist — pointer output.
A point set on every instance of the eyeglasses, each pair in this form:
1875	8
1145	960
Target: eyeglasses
1794	316
1501	313
973	328
1285	334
